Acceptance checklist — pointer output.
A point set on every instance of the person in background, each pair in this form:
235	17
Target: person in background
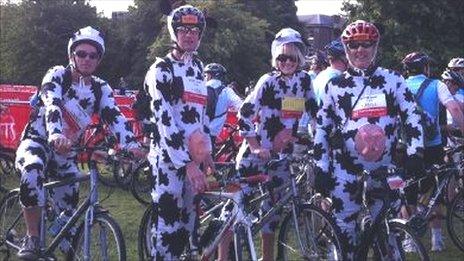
338	64
429	94
317	63
220	98
122	86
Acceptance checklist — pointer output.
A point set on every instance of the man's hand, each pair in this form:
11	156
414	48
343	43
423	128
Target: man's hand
262	153
196	177
199	146
61	144
282	140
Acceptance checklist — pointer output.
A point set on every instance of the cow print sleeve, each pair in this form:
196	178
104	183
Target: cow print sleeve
51	97
324	126
158	84
410	118
112	116
250	108
310	101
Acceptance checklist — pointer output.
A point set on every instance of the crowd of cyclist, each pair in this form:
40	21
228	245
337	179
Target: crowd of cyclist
358	112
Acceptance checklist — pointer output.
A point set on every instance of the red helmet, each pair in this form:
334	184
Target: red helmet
360	31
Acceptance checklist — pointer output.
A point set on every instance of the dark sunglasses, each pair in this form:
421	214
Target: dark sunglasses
284	58
82	54
186	29
355	45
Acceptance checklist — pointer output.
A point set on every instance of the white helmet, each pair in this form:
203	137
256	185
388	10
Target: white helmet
185	15
89	35
284	36
456	63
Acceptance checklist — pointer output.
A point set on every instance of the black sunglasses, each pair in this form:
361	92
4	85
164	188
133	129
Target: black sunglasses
82	54
284	58
355	45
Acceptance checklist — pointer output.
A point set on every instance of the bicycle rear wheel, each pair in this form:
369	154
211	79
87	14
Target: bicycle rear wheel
107	242
401	243
455	220
142	184
317	234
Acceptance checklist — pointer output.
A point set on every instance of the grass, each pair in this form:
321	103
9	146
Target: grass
128	212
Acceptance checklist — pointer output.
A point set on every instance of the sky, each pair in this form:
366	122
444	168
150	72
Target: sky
327	7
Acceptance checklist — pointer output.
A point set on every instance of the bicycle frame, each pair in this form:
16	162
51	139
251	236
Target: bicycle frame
88	207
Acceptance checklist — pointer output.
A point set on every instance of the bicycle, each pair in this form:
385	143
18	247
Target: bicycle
306	232
98	236
8	173
384	236
227	148
449	186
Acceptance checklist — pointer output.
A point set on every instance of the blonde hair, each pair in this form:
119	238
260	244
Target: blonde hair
290	49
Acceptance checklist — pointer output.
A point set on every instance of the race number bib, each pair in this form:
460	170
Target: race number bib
369	106
194	91
292	107
75	119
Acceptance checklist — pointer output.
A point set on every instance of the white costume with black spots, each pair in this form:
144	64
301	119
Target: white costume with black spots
34	155
385	98
178	101
276	103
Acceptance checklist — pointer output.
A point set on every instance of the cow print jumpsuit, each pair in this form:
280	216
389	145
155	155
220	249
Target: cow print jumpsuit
387	87
266	112
37	161
178	101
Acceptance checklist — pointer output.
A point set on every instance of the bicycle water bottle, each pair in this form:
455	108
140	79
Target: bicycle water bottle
58	224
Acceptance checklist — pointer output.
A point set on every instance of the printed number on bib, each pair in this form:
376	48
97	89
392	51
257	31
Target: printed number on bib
292	107
195	91
369	106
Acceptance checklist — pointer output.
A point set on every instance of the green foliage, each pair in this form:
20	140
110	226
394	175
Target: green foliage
34	36
238	42
434	27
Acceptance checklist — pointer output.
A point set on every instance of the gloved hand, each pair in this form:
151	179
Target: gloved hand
414	166
323	182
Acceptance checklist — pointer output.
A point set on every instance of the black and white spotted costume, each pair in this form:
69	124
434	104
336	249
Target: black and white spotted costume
178	101
277	103
392	98
34	155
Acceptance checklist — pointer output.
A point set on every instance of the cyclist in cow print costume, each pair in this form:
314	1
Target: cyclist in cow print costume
278	101
349	140
67	100
180	139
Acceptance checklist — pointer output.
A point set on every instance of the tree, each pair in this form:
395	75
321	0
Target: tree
434	27
34	36
238	42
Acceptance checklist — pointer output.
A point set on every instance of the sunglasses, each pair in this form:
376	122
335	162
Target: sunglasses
82	54
184	30
355	45
283	58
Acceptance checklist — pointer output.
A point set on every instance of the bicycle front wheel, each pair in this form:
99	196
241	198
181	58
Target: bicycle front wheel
401	243
455	220
106	240
312	237
12	225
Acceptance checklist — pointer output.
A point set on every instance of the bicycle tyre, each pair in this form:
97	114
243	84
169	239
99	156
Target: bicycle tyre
325	235
11	212
241	245
106	224
142	184
401	232
8	173
455	220
144	237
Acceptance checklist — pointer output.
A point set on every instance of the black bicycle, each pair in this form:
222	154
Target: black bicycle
98	235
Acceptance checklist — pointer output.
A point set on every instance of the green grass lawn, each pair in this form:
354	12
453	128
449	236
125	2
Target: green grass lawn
128	212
